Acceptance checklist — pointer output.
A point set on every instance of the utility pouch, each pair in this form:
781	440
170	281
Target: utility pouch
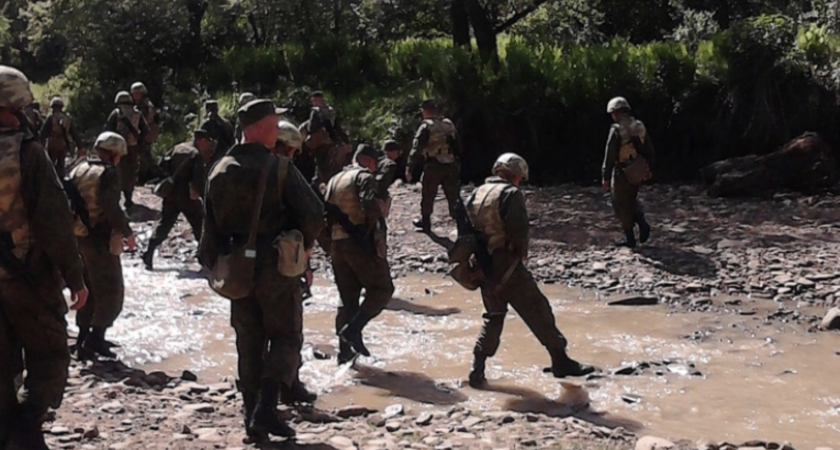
291	255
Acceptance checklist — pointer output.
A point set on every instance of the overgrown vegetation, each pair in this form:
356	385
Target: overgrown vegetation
711	79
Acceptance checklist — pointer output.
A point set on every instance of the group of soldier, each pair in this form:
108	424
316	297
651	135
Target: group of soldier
239	188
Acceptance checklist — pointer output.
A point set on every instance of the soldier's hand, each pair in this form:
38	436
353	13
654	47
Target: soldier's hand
131	243
309	276
79	299
607	185
408	176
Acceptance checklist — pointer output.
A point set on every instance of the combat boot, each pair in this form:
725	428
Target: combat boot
562	366
644	228
265	421
423	224
345	352
84	333
352	333
97	344
149	256
477	378
630	240
296	393
250	401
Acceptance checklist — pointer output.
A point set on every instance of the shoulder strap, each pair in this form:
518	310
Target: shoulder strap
255	216
282	170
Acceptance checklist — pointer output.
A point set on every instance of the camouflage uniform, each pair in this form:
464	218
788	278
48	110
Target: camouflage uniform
619	153
56	133
127	121
436	148
358	265
185	165
220	130
269	323
98	183
36	230
325	137
147	169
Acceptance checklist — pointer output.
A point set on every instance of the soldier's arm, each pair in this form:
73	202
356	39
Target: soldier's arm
143	129
611	153
110	201
207	251
515	215
316	123
421	138
385	177
648	152
111	123
44	132
304	204
197	177
74	134
49	214
366	184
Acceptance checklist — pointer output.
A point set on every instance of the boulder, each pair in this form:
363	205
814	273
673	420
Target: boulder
831	320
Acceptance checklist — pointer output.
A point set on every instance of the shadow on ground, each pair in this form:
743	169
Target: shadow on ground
413	386
398	304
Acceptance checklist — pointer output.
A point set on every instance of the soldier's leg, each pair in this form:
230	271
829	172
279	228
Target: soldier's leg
8	398
168	217
128	174
452	188
194	212
495	310
639	218
282	315
84	316
246	320
106	283
349	291
432	179
623	201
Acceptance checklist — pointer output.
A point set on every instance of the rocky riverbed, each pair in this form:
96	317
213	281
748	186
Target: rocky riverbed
741	271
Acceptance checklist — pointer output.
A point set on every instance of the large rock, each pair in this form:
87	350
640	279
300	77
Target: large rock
654	443
805	164
831	320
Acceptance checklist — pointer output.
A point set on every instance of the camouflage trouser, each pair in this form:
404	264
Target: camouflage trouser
269	330
127	169
57	150
34	319
435	175
523	293
355	269
173	206
624	200
328	161
104	279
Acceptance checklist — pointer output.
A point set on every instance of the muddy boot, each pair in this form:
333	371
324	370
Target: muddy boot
265	421
149	256
477	378
97	344
644	228
352	333
84	333
297	393
25	432
562	366
423	224
345	353
630	240
250	401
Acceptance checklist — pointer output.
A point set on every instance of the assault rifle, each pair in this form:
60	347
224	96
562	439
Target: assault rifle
466	228
335	213
76	202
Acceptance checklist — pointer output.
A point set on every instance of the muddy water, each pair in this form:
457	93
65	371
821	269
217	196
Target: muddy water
769	382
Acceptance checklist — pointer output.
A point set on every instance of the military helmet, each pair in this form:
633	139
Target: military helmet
56	101
111	142
245	98
289	135
139	87
14	89
617	104
123	97
512	163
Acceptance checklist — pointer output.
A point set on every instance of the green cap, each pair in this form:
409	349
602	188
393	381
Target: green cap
257	110
366	150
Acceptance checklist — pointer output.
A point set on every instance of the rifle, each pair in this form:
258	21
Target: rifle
77	202
466	228
134	131
335	213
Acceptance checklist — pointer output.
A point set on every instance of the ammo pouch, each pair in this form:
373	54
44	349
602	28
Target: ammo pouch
291	256
116	244
165	188
465	247
468	274
637	170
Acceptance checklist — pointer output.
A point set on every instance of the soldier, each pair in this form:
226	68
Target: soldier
56	133
218	129
626	142
244	99
127	121
185	166
146	167
386	171
358	250
38	254
498	215
101	243
290	141
436	148
272	314
326	140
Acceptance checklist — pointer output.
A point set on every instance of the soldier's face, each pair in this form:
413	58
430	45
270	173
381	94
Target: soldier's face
317	101
137	95
393	155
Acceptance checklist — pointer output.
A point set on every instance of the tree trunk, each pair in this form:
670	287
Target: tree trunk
484	31
197	9
460	24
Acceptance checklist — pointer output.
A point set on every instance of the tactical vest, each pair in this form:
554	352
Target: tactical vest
131	139
14	217
440	130
629	127
87	177
60	127
483	209
342	192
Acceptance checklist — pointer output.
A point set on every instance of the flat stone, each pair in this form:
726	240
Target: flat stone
353	411
599	267
700	250
200	408
59	431
423	419
471	422
376	420
393	425
831	320
635	301
189	376
341	442
654	443
393	411
114	407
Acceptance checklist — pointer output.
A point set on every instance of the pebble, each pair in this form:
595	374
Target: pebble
831	320
200	408
393	411
59	431
353	411
654	443
393	425
114	407
423	419
341	441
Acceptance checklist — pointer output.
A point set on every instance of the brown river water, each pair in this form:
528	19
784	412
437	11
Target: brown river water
756	381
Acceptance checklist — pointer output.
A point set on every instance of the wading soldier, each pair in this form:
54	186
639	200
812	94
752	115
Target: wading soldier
218	129
182	189
358	250
268	322
436	149
147	169
56	133
101	244
498	214
37	254
127	121
326	140
627	163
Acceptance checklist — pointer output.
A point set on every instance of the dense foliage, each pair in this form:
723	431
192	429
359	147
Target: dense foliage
711	79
